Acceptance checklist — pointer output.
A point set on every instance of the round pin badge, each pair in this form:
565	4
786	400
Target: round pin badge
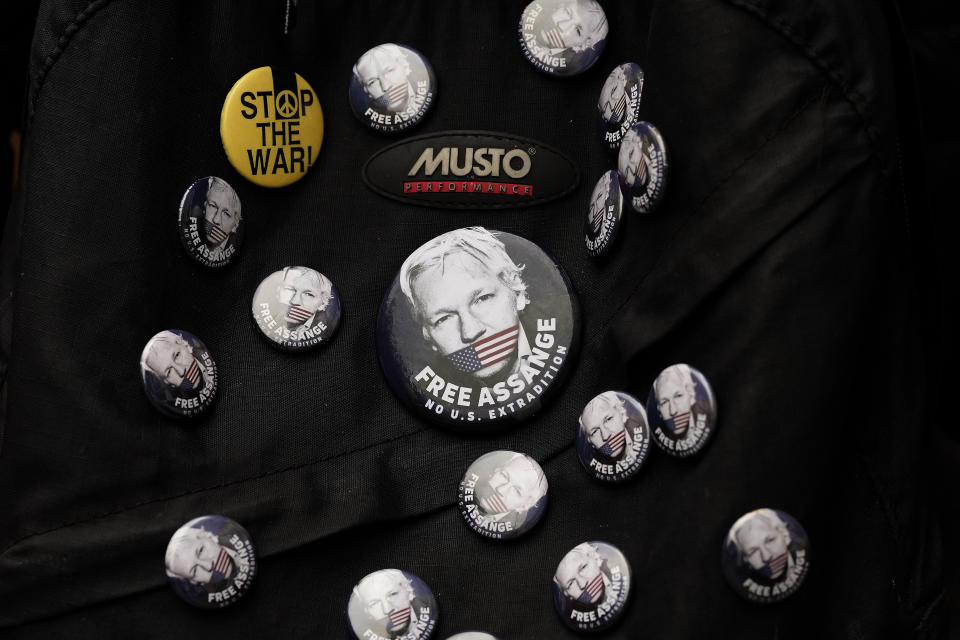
472	635
642	164
613	438
271	126
563	37
618	108
590	586
210	562
478	329
503	494
211	223
392	87
179	375
766	555
391	603
296	308
682	410
604	215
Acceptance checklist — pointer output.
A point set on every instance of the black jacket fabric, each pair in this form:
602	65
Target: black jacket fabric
786	263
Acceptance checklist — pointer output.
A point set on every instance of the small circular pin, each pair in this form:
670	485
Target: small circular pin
211	222
210	562
478	329
473	635
591	586
682	410
503	494
392	87
391	603
179	374
604	215
563	37
297	308
642	164
613	438
271	126
766	555
618	107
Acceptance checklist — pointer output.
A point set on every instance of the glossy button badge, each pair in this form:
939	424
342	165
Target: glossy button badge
682	410
563	37
394	604
179	375
766	555
478	329
503	494
392	87
210	561
211	224
613	438
604	215
618	108
642	164
590	586
472	635
297	308
271	126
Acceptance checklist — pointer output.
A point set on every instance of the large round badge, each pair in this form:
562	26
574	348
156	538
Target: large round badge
392	87
179	375
503	494
210	561
766	555
613	438
296	308
643	164
563	37
211	227
619	105
682	410
271	126
472	635
604	215
392	604
477	329
591	585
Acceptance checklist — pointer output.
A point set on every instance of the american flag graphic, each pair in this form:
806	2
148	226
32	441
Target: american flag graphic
486	351
397	94
641	169
553	38
399	619
216	232
298	313
614	446
777	565
621	107
192	376
593	590
493	504
597	218
680	422
222	565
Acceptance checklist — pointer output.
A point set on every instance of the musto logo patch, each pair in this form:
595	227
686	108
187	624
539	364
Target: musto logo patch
471	170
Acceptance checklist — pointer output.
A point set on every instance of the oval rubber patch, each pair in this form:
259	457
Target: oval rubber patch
471	170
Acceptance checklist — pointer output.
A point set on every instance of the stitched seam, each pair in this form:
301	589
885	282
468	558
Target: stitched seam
928	612
72	28
143	503
857	100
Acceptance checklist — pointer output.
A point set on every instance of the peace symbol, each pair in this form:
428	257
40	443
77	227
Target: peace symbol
286	103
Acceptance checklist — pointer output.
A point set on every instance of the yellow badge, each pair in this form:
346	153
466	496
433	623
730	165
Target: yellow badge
271	126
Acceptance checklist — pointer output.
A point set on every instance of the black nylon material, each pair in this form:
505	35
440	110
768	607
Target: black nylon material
780	265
